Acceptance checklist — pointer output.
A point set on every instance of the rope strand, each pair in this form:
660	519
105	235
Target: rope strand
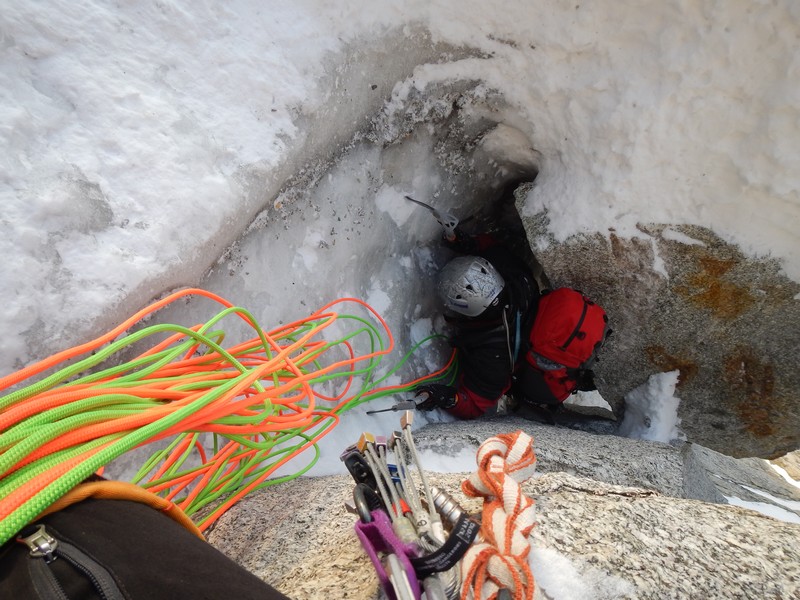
259	403
501	560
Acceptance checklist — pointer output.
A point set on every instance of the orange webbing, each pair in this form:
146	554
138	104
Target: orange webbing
501	560
120	490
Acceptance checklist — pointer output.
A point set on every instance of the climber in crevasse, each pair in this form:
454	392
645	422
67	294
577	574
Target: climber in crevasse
512	341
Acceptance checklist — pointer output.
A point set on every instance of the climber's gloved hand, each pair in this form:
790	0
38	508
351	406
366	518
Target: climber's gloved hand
435	395
462	242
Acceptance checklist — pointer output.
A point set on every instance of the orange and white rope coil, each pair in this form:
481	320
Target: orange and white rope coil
500	561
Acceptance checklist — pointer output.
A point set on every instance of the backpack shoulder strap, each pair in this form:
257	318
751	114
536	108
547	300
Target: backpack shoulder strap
121	490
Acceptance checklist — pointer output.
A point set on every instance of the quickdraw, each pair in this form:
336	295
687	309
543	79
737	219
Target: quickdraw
412	549
406	540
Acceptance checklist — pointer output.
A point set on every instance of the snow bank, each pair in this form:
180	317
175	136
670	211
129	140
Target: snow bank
651	410
561	578
766	508
141	140
784	475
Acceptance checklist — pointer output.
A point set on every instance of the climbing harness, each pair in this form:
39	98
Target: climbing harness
400	527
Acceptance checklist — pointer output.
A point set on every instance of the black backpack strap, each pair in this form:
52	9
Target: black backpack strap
142	548
577	329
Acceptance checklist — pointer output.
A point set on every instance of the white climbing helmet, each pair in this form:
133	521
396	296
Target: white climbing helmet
469	285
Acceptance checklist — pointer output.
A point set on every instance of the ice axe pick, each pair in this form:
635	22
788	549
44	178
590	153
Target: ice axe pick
446	220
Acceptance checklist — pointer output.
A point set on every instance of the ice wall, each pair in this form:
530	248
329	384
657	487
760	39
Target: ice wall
141	140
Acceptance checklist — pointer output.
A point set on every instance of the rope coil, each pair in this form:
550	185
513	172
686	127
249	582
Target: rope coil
260	402
501	560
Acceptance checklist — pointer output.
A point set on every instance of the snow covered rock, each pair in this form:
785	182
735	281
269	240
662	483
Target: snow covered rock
662	547
141	149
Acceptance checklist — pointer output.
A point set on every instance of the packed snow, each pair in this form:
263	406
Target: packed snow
651	410
766	508
559	577
784	475
142	140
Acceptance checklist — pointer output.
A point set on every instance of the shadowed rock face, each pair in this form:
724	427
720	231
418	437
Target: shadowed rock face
729	324
682	470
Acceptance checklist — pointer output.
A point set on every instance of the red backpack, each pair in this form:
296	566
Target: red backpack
568	331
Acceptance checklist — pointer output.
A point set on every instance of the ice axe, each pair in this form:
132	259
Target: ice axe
446	220
405	405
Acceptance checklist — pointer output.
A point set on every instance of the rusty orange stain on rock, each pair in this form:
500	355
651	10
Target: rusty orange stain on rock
756	379
665	361
708	288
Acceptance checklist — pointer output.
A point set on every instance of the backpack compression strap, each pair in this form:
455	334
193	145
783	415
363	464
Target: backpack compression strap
577	329
120	490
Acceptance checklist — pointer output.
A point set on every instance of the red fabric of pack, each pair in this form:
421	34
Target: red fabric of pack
568	330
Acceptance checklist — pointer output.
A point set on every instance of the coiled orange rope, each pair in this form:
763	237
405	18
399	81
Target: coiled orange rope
501	560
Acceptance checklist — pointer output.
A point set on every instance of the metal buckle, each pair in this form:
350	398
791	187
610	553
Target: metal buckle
41	544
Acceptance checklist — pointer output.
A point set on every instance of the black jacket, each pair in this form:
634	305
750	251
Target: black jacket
491	345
